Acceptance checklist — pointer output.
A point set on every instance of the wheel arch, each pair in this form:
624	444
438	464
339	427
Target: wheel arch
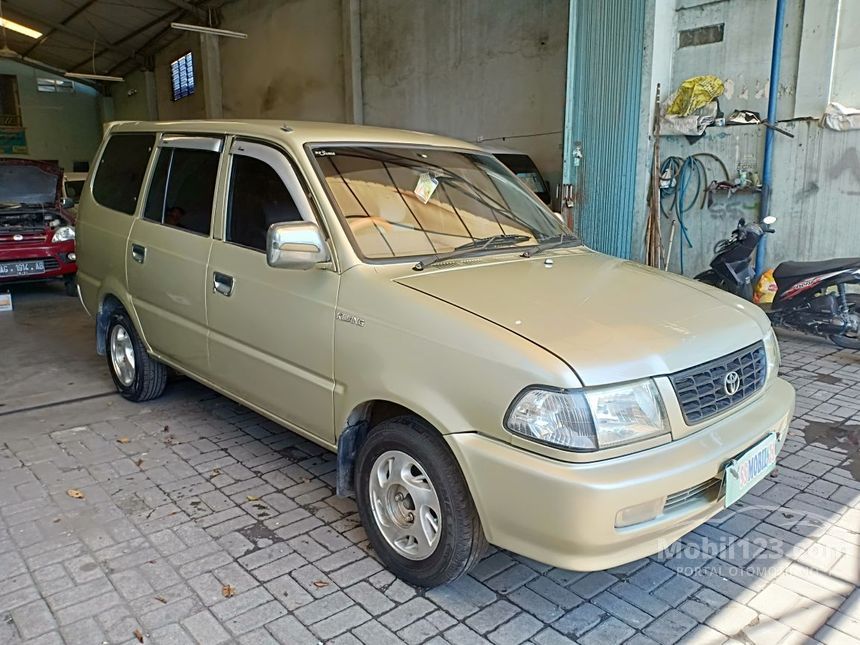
364	417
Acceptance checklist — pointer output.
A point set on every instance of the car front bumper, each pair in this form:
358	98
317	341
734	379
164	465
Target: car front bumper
564	514
55	255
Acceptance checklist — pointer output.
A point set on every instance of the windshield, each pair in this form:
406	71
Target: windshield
23	184
74	188
407	202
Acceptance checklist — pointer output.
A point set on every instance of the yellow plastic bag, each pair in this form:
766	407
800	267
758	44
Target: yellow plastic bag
765	288
694	93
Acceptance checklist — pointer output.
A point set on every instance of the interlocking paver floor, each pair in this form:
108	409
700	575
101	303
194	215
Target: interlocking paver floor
203	522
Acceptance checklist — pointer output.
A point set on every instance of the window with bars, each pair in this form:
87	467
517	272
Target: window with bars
182	76
56	85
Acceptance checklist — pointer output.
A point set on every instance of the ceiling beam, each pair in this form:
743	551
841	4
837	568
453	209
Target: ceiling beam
167	17
64	21
199	12
57	26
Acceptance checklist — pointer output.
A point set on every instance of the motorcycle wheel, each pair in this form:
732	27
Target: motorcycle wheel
848	342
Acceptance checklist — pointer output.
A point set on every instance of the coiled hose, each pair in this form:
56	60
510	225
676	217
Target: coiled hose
682	182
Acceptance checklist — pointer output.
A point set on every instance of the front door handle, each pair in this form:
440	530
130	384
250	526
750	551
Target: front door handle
138	253
222	283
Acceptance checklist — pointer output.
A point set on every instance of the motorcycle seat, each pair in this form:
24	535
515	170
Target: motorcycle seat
799	269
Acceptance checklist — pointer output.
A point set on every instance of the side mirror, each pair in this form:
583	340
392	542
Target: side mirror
295	245
67	202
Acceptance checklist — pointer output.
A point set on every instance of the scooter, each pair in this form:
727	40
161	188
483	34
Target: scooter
811	296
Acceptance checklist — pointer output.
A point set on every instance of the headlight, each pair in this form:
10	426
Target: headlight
771	350
591	418
64	234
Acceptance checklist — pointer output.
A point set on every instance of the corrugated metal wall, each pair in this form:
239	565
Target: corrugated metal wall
604	79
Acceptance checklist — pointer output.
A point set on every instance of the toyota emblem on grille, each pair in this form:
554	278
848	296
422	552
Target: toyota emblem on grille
731	383
17	237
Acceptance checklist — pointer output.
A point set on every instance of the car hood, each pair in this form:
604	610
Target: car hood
30	182
610	320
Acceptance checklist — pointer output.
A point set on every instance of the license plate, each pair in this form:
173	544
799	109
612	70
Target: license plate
748	469
28	267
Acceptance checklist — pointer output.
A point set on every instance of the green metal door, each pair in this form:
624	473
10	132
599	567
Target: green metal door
604	77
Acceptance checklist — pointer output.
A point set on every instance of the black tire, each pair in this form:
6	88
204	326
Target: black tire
150	376
846	342
849	342
71	286
461	540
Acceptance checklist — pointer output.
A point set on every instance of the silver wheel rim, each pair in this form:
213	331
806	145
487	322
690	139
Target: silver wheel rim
405	505
122	355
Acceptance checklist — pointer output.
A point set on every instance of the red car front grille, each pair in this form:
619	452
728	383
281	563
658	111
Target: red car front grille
26	236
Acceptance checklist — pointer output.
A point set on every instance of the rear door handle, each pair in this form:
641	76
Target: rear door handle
222	283
138	253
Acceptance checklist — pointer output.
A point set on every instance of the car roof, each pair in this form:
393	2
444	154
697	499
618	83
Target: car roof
297	132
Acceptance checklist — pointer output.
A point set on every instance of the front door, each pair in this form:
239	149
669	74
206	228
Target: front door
168	249
270	329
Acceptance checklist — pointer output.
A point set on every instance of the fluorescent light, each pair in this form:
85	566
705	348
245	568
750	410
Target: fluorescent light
208	30
95	77
11	25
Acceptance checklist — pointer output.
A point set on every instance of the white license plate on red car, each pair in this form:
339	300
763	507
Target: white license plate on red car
22	267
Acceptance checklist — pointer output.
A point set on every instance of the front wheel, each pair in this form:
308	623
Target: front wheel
415	505
137	375
71	286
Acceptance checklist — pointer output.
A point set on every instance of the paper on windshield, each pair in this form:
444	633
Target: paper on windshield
425	187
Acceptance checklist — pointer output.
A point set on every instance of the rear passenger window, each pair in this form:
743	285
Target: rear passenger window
258	198
183	188
120	171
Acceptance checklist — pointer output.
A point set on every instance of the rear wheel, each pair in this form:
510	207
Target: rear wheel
137	375
851	341
415	505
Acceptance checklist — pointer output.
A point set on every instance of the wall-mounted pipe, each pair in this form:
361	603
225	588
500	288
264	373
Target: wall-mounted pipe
767	169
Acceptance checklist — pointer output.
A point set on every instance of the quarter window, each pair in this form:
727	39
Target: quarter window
258	198
120	171
183	188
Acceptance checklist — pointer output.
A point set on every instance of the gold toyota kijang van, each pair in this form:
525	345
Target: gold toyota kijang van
404	300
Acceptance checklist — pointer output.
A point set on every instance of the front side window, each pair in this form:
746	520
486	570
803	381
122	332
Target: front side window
402	202
120	171
258	198
183	188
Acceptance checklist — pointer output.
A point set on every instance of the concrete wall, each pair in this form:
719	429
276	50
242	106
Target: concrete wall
135	98
65	127
846	71
470	69
190	107
816	181
290	67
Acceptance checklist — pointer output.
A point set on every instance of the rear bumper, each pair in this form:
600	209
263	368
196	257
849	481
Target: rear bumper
56	258
564	514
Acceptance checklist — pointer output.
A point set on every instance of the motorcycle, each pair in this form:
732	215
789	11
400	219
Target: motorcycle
811	297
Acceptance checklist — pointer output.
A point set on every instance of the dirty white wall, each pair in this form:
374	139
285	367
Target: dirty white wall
816	175
61	127
846	70
290	66
478	69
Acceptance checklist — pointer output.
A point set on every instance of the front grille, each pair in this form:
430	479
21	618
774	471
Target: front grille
701	390
36	235
707	491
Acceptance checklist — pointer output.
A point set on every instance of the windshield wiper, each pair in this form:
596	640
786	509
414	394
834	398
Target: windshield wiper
550	243
475	245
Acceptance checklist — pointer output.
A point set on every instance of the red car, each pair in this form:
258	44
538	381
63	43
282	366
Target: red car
37	233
